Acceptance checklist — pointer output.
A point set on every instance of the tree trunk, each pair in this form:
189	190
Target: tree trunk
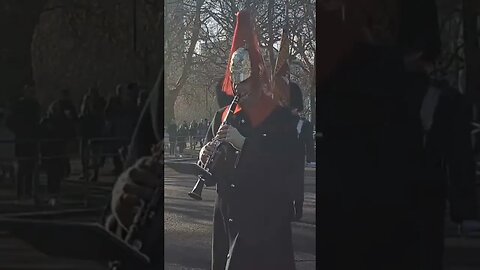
15	48
172	95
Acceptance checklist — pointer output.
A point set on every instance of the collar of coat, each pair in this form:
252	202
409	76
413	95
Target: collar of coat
258	113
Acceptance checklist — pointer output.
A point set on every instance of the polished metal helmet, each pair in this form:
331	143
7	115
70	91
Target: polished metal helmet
240	66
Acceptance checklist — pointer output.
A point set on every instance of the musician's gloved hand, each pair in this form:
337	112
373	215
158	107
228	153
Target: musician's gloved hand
206	151
231	135
133	187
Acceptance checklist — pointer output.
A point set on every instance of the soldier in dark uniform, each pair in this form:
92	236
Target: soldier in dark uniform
304	127
253	209
305	136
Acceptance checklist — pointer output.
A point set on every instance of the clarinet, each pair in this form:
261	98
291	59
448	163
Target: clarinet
220	148
140	228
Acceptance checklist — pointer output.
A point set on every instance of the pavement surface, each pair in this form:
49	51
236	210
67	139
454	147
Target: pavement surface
17	254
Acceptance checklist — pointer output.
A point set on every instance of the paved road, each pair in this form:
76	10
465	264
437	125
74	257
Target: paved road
188	225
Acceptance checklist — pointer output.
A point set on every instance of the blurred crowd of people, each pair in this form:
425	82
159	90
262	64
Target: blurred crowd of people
103	127
180	135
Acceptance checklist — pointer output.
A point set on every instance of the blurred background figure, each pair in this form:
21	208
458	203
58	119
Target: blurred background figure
7	149
182	136
67	107
23	121
56	131
113	121
304	127
122	114
172	137
192	132
202	131
92	125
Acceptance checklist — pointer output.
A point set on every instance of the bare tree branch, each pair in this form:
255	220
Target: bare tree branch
173	94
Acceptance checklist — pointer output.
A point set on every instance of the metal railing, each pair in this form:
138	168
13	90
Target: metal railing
89	151
183	145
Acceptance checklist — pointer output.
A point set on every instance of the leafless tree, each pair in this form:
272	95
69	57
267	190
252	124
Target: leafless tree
171	94
210	55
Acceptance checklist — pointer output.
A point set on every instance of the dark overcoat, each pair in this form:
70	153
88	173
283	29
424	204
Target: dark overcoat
253	209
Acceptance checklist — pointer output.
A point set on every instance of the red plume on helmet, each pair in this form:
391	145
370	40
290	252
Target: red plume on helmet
245	36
